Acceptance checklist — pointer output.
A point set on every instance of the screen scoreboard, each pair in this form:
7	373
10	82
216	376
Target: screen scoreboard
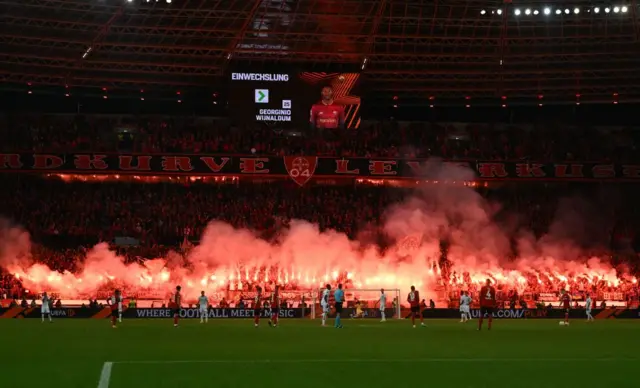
287	100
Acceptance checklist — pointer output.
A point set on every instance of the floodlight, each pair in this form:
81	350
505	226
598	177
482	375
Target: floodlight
558	12
607	10
596	10
567	11
576	10
624	9
616	9
516	12
527	11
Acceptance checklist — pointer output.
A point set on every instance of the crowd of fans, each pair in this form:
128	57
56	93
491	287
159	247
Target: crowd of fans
68	214
548	142
65	217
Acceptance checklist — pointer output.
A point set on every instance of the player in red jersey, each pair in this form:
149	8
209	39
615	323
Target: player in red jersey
275	307
565	301
327	114
115	302
487	303
257	304
175	304
414	301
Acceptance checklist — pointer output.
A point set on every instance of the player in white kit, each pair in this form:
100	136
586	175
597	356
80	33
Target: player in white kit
588	306
465	307
203	303
324	303
45	309
383	304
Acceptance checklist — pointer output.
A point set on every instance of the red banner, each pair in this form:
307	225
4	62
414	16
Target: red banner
303	168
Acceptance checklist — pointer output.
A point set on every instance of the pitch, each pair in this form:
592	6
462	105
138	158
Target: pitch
300	353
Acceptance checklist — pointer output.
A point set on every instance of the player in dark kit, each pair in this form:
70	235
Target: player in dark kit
565	300
414	301
114	303
175	306
327	114
257	304
487	303
275	308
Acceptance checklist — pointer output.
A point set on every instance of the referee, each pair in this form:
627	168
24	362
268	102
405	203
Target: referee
338	295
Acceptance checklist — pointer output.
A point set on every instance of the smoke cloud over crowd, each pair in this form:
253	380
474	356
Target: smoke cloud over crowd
443	234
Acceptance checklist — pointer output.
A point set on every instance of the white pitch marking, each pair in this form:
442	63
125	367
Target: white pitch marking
105	375
373	360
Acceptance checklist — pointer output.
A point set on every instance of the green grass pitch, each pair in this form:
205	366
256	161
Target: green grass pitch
300	353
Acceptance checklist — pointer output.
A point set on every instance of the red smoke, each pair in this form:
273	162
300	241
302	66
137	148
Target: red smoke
306	258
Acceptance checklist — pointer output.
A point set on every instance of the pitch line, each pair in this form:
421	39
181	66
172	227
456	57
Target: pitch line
372	360
105	375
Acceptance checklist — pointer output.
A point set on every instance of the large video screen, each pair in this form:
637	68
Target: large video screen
295	100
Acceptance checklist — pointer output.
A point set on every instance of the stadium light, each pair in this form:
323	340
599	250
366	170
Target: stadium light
558	12
567	11
624	9
483	12
607	10
535	12
596	10
516	12
547	11
499	11
527	11
616	9
576	10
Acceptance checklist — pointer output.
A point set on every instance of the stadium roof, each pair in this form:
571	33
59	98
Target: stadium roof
443	49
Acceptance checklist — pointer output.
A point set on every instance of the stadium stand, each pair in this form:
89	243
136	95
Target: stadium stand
543	142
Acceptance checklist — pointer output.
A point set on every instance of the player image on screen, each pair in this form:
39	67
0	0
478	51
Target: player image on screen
327	114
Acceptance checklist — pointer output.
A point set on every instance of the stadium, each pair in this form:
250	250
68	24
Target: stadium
291	192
